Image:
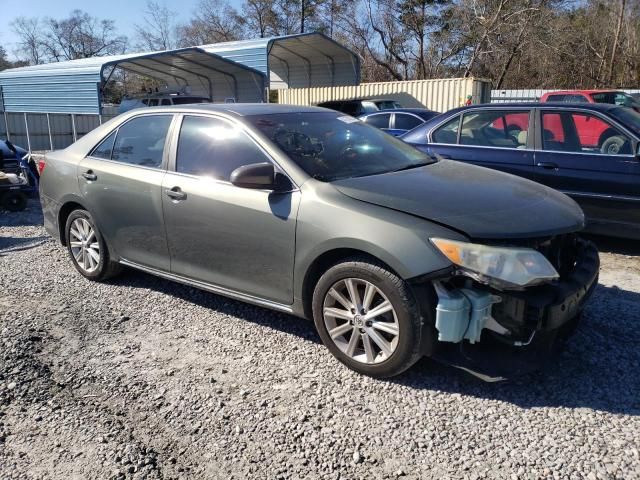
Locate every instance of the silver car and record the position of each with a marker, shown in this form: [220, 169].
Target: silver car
[393, 254]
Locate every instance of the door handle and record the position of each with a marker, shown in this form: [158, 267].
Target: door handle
[176, 193]
[89, 175]
[547, 165]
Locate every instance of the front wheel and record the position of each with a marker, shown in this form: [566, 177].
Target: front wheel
[87, 248]
[368, 318]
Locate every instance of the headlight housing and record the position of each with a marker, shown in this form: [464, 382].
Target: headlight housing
[519, 267]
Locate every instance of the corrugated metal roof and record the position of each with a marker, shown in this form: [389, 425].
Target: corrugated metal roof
[294, 61]
[73, 86]
[220, 71]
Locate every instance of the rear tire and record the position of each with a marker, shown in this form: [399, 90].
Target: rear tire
[14, 201]
[87, 248]
[378, 334]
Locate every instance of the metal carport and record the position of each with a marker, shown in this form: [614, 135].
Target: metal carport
[295, 61]
[75, 86]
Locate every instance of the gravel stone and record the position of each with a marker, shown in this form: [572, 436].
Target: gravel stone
[122, 372]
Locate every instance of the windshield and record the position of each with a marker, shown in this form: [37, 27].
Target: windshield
[330, 146]
[615, 98]
[187, 100]
[629, 117]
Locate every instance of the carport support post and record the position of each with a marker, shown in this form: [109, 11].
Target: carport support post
[73, 126]
[49, 130]
[26, 124]
[6, 125]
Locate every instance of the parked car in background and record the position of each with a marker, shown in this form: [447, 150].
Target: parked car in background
[398, 121]
[393, 255]
[554, 144]
[159, 99]
[613, 97]
[361, 106]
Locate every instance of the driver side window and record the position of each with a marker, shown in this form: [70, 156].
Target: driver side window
[213, 147]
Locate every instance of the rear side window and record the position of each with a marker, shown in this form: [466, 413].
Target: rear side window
[495, 128]
[407, 122]
[103, 150]
[447, 133]
[379, 121]
[166, 101]
[141, 141]
[213, 147]
[555, 98]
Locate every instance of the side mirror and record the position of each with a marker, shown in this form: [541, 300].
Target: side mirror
[260, 176]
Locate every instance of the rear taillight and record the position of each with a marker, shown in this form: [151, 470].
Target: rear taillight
[41, 164]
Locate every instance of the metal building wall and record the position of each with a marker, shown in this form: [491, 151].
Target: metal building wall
[47, 131]
[37, 91]
[439, 95]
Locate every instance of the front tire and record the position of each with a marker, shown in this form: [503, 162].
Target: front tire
[368, 318]
[87, 248]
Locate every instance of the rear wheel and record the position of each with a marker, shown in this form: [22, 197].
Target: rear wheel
[87, 248]
[367, 317]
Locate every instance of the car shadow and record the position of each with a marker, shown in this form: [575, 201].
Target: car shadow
[17, 244]
[29, 217]
[261, 316]
[622, 246]
[598, 369]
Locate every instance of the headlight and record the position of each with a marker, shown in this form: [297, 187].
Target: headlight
[521, 267]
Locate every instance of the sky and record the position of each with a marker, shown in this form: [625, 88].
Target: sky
[125, 13]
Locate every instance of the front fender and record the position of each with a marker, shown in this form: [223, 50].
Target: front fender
[329, 221]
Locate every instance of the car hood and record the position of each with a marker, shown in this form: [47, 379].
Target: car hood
[479, 202]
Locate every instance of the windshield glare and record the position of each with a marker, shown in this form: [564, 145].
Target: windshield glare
[615, 98]
[628, 117]
[330, 146]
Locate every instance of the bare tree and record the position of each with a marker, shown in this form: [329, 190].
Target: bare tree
[215, 21]
[158, 30]
[260, 17]
[31, 43]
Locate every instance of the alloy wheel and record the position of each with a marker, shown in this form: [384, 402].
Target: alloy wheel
[361, 320]
[84, 244]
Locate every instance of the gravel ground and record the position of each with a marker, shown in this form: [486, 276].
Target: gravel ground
[143, 378]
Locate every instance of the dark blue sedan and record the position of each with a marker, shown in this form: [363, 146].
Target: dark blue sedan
[591, 152]
[398, 121]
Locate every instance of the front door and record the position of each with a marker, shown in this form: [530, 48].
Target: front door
[593, 161]
[121, 182]
[236, 238]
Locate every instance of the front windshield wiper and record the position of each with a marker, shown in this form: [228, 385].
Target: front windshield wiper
[416, 165]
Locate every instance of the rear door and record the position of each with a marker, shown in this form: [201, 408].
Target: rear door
[379, 120]
[121, 181]
[587, 156]
[403, 122]
[493, 138]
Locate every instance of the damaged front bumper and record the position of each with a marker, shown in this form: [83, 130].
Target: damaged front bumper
[500, 334]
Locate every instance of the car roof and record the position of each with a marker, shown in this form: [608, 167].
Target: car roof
[586, 92]
[401, 110]
[601, 107]
[239, 109]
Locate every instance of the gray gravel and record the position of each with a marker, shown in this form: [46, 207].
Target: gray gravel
[143, 378]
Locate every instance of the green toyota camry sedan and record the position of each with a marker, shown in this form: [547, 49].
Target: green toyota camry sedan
[393, 254]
